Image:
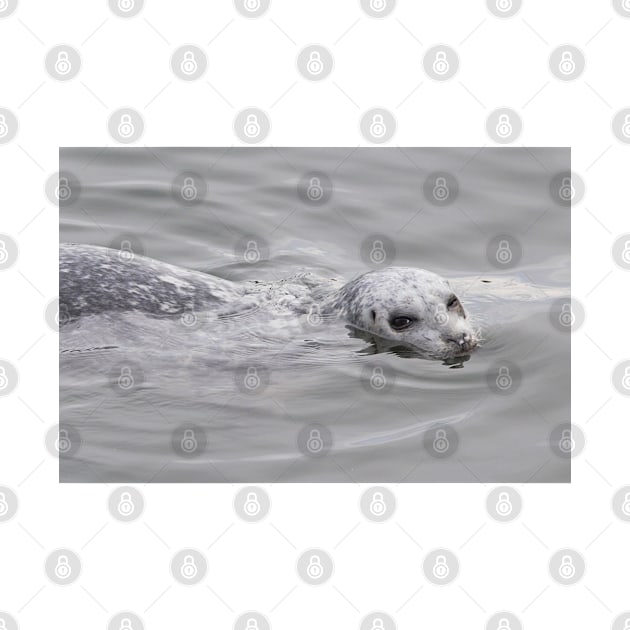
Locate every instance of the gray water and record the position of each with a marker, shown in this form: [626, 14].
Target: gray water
[317, 375]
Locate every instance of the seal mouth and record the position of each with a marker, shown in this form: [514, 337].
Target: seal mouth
[463, 345]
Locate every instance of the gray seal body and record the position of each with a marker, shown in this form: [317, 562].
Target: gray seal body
[95, 280]
[406, 306]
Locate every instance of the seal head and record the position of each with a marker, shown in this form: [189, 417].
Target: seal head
[411, 307]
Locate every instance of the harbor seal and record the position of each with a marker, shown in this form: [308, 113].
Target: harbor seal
[405, 306]
[413, 307]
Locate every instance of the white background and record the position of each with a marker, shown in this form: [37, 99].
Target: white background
[252, 63]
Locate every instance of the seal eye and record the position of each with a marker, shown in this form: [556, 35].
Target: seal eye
[402, 322]
[453, 302]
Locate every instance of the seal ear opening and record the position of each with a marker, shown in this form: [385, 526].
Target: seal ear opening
[373, 315]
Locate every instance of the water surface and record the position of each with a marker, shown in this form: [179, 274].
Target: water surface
[317, 375]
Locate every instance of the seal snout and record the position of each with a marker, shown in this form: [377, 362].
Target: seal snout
[464, 343]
